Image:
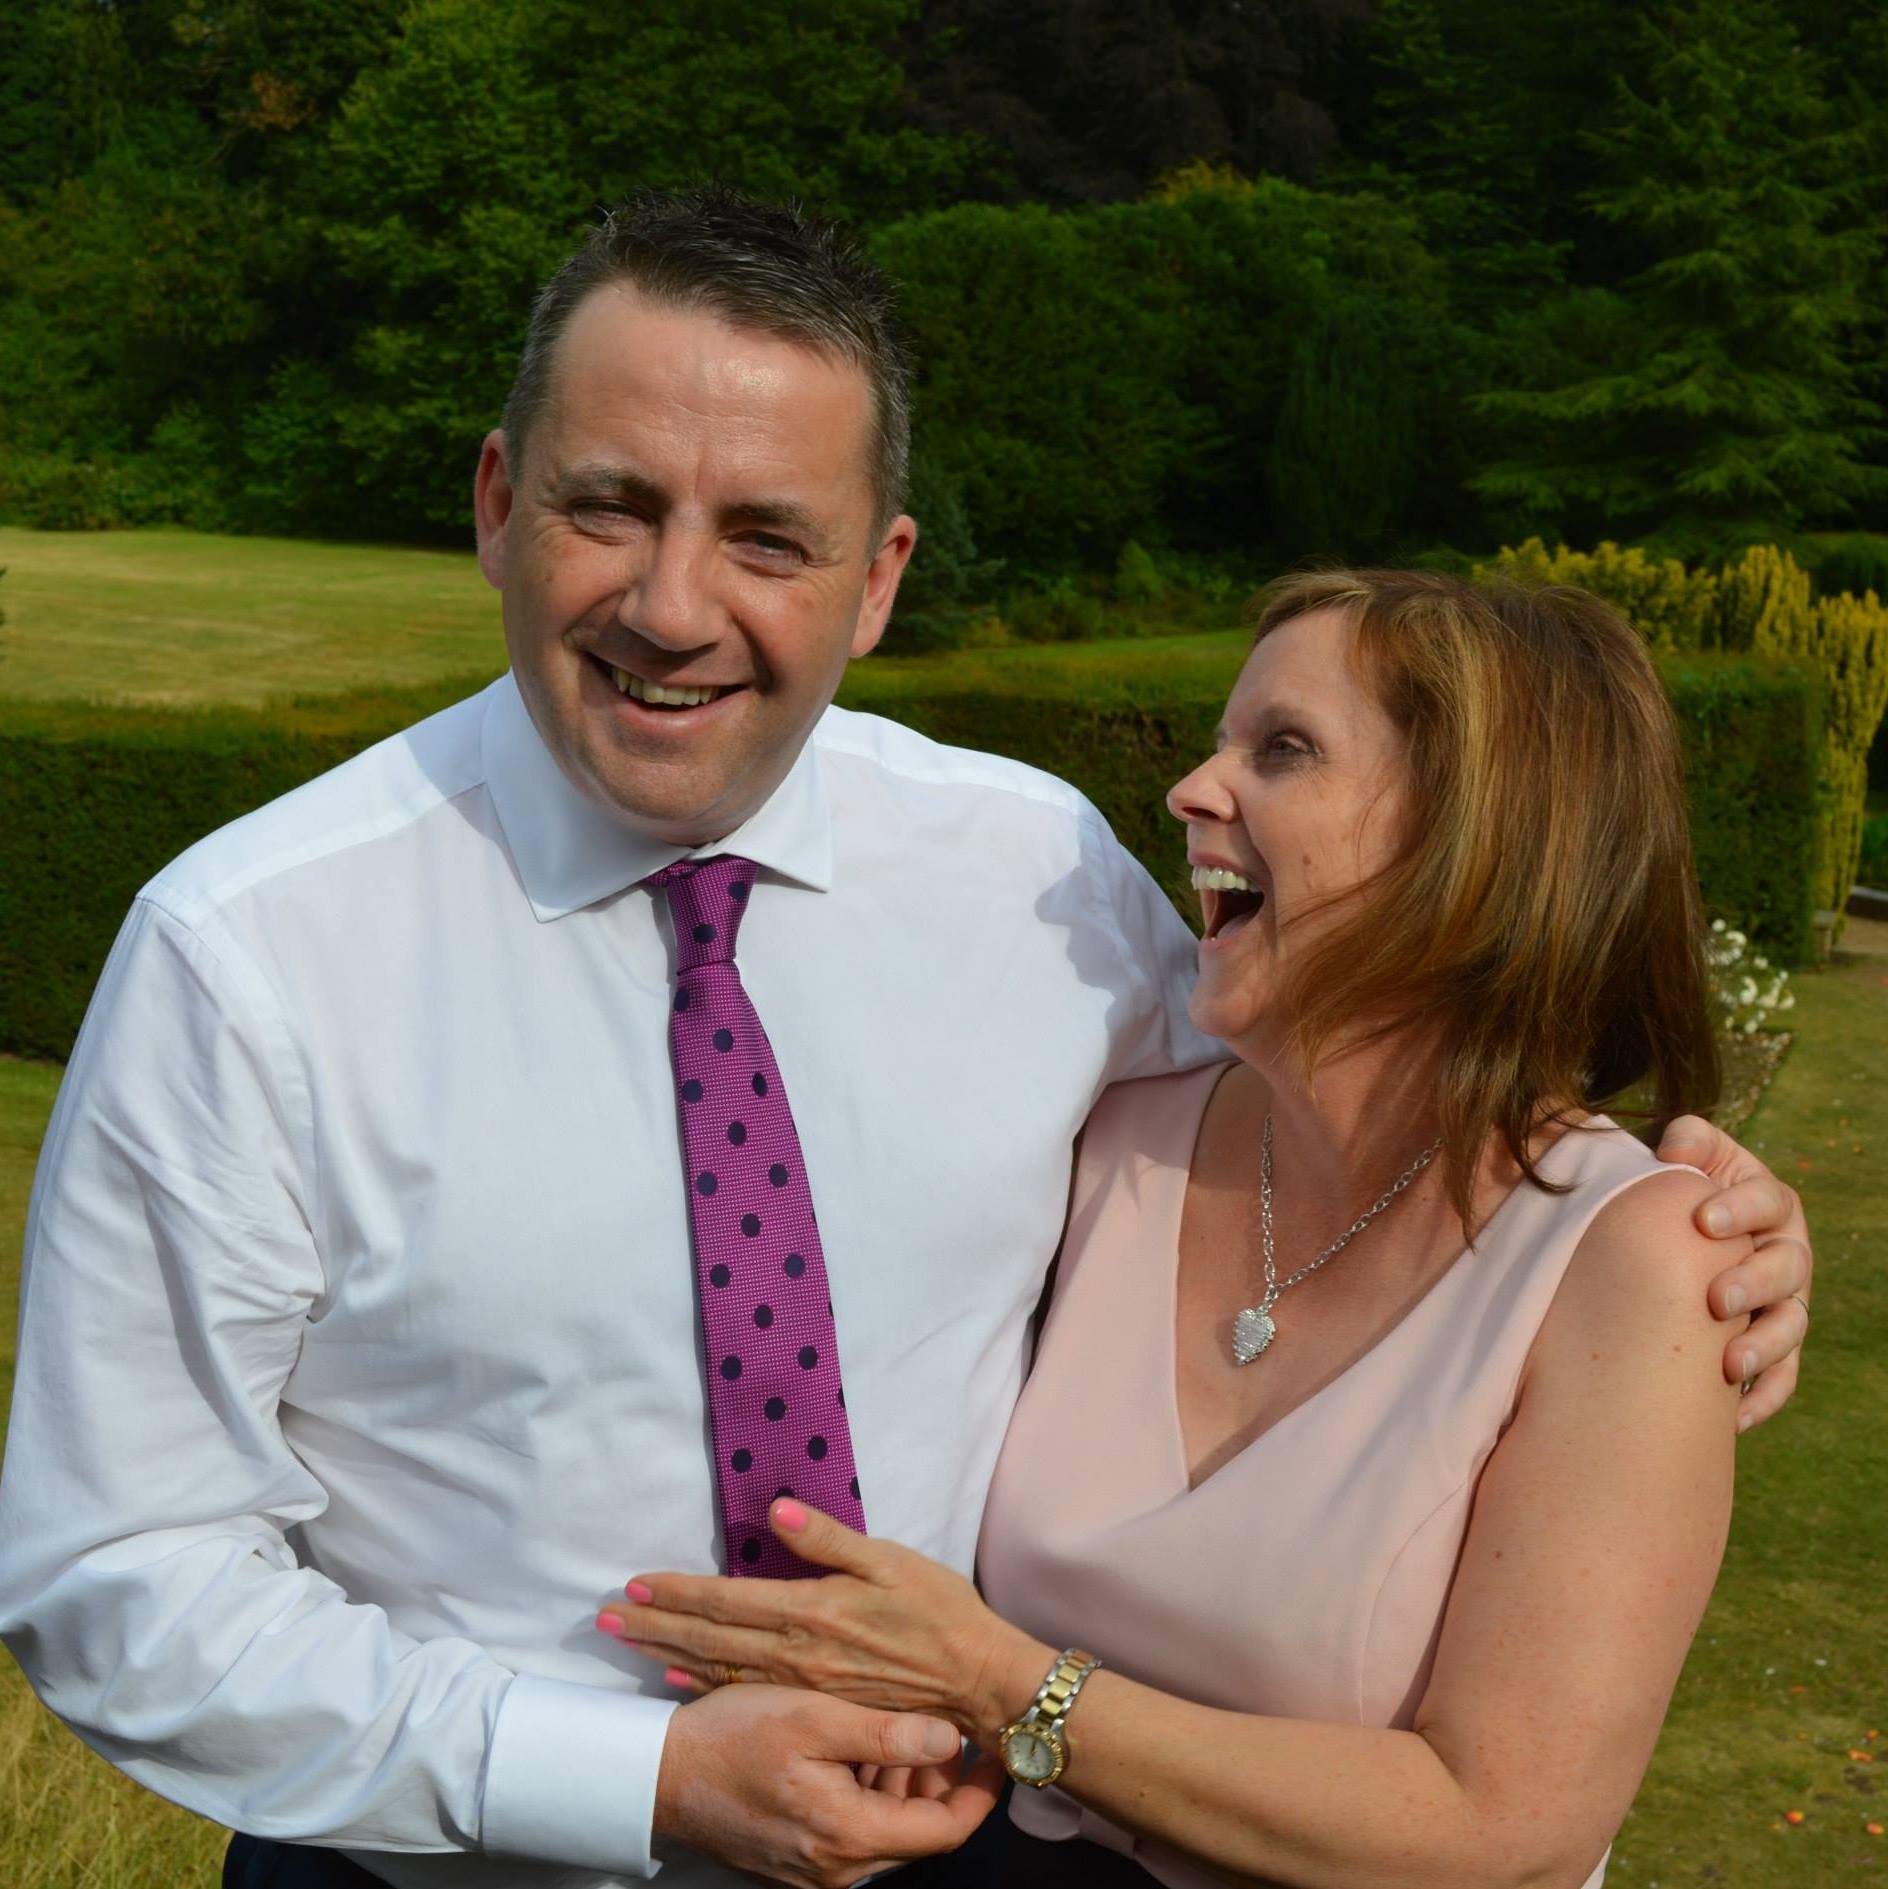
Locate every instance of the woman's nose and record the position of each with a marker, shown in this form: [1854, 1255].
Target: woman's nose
[1200, 799]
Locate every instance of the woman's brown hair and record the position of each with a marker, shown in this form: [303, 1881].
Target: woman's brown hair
[1542, 911]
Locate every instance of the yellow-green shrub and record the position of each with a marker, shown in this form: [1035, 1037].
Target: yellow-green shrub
[1763, 604]
[1673, 608]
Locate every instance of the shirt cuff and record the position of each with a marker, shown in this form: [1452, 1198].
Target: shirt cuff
[571, 1775]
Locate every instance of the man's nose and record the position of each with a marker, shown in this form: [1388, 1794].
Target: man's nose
[668, 601]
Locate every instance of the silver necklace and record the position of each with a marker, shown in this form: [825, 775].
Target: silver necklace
[1254, 1328]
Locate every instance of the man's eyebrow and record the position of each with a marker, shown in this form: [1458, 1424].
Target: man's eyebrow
[777, 514]
[597, 480]
[766, 514]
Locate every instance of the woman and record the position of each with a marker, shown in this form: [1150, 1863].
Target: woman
[1377, 1439]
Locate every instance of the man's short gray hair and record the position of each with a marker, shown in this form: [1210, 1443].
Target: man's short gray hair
[773, 267]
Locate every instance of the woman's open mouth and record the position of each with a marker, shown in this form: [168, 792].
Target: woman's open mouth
[1228, 900]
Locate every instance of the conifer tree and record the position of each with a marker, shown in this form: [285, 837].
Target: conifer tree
[1711, 397]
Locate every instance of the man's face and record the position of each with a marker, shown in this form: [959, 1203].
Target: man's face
[692, 517]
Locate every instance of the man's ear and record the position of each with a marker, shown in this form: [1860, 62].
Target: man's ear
[881, 583]
[491, 506]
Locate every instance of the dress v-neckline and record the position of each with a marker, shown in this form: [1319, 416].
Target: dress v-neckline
[1424, 1307]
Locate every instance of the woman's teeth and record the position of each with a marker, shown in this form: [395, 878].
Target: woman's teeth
[1218, 879]
[657, 695]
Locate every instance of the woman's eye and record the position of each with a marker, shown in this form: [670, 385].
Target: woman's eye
[1285, 747]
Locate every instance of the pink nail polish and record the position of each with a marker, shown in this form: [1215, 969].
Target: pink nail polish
[639, 1593]
[676, 1677]
[790, 1515]
[612, 1625]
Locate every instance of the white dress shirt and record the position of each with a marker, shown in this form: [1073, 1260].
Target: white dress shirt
[359, 1358]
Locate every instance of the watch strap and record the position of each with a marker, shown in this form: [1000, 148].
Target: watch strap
[1057, 1693]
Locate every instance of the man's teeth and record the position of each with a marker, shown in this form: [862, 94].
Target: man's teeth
[654, 692]
[1218, 879]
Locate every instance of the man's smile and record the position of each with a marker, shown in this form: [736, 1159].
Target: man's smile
[668, 701]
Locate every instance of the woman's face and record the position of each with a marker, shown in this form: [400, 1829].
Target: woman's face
[1304, 799]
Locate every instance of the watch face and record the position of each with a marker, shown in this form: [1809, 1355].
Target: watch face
[1030, 1757]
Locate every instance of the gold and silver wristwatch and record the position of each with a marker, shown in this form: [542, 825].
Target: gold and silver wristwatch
[1035, 1747]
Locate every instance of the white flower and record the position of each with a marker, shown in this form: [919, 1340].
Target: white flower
[1717, 924]
[1750, 1027]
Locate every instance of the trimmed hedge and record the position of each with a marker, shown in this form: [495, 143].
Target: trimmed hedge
[94, 800]
[1762, 603]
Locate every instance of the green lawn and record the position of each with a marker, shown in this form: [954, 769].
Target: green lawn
[1790, 1673]
[171, 617]
[181, 616]
[1789, 1676]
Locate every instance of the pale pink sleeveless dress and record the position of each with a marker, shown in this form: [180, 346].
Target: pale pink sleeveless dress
[1307, 1577]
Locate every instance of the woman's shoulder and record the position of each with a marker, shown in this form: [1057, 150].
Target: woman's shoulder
[1641, 1264]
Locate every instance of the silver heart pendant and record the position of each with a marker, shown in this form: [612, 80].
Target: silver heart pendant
[1252, 1331]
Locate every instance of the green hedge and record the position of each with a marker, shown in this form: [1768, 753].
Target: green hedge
[94, 800]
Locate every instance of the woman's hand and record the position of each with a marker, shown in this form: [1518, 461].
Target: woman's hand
[887, 1628]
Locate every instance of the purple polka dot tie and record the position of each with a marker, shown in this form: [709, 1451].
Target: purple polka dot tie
[775, 1399]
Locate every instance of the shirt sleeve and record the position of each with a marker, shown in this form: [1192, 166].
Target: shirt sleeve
[1150, 1033]
[147, 1584]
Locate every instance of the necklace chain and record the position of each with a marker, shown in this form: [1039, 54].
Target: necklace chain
[1255, 1327]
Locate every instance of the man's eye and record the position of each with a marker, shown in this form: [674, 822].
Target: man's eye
[772, 546]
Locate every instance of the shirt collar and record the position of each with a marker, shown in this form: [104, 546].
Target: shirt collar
[570, 852]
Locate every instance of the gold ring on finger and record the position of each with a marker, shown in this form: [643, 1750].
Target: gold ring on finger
[1804, 1303]
[731, 1676]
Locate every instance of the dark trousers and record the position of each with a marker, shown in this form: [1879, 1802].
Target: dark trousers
[256, 1863]
[998, 1856]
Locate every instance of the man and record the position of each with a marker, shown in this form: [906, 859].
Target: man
[377, 1312]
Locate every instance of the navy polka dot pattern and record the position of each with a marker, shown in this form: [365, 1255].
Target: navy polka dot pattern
[776, 1402]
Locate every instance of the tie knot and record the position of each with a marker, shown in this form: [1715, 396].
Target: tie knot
[706, 900]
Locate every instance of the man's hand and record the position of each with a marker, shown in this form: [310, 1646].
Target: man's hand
[761, 1777]
[1772, 1284]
